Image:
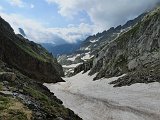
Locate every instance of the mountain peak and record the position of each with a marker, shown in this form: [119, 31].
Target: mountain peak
[21, 31]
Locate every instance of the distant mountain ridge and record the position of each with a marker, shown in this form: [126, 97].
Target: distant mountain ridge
[93, 44]
[61, 49]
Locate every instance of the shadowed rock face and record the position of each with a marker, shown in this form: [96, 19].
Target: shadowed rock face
[26, 56]
[83, 67]
[134, 50]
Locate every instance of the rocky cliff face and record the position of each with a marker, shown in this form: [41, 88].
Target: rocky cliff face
[26, 56]
[134, 50]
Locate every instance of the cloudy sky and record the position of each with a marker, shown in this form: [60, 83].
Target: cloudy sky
[58, 21]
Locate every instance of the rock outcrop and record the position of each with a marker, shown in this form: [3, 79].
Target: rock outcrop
[21, 31]
[85, 66]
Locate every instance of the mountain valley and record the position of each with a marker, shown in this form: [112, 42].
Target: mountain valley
[118, 79]
[111, 75]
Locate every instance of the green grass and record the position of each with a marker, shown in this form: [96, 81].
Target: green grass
[36, 52]
[28, 50]
[37, 95]
[16, 115]
[12, 109]
[4, 103]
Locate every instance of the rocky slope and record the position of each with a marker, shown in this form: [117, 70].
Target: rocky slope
[28, 57]
[24, 65]
[136, 49]
[22, 98]
[94, 44]
[134, 52]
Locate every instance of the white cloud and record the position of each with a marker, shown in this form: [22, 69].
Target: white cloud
[31, 6]
[18, 3]
[73, 33]
[104, 13]
[39, 33]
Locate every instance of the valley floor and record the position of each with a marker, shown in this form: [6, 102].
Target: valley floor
[97, 100]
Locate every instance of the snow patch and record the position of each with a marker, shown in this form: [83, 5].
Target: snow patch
[97, 100]
[95, 40]
[73, 58]
[87, 48]
[71, 66]
[87, 56]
